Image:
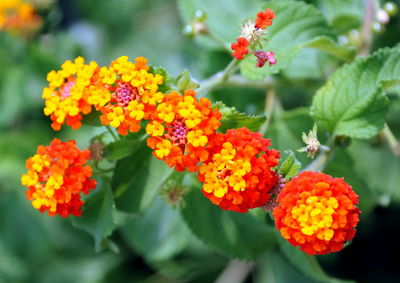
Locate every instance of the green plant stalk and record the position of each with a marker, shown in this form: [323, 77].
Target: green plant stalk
[391, 139]
[112, 133]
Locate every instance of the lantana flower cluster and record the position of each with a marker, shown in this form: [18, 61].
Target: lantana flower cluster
[18, 17]
[56, 177]
[252, 33]
[237, 169]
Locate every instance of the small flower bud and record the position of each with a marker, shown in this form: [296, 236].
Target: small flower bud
[200, 16]
[96, 151]
[382, 16]
[313, 145]
[391, 8]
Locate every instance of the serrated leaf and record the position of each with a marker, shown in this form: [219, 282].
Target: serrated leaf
[306, 264]
[137, 178]
[295, 26]
[158, 234]
[234, 234]
[233, 119]
[185, 81]
[290, 167]
[352, 102]
[98, 213]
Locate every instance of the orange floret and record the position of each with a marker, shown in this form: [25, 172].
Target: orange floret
[67, 95]
[240, 48]
[18, 17]
[317, 213]
[238, 174]
[180, 128]
[264, 18]
[56, 178]
[134, 93]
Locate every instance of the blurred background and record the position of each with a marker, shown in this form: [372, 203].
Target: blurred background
[38, 248]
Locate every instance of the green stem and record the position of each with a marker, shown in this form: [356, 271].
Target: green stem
[218, 78]
[112, 133]
[218, 42]
[391, 139]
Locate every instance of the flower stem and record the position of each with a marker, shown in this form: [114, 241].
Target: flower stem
[235, 272]
[112, 133]
[218, 78]
[391, 139]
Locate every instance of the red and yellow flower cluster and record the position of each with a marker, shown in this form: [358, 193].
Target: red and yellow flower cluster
[238, 173]
[18, 17]
[56, 178]
[251, 35]
[317, 213]
[180, 129]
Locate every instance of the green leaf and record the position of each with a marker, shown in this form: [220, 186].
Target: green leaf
[98, 213]
[158, 234]
[343, 15]
[380, 169]
[186, 81]
[233, 119]
[124, 147]
[290, 167]
[137, 178]
[352, 102]
[234, 234]
[296, 25]
[306, 264]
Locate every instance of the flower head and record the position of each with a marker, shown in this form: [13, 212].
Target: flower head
[263, 57]
[240, 48]
[18, 17]
[264, 18]
[312, 142]
[180, 128]
[317, 213]
[56, 178]
[134, 93]
[67, 95]
[237, 174]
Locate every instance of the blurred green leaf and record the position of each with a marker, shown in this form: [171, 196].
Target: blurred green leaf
[305, 263]
[290, 167]
[233, 119]
[124, 147]
[137, 179]
[380, 169]
[98, 213]
[352, 103]
[234, 234]
[158, 234]
[343, 15]
[92, 119]
[296, 25]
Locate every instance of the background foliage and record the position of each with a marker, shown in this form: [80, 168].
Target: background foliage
[129, 232]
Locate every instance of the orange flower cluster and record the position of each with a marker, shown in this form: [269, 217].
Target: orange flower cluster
[237, 174]
[317, 213]
[251, 35]
[180, 129]
[56, 178]
[134, 93]
[123, 92]
[67, 95]
[18, 17]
